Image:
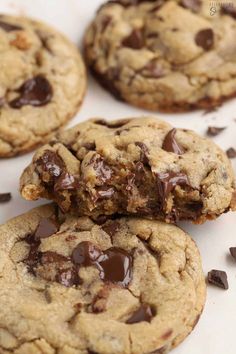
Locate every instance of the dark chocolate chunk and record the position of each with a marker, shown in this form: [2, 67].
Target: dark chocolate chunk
[85, 254]
[102, 170]
[135, 40]
[115, 266]
[218, 278]
[233, 252]
[205, 39]
[229, 9]
[68, 277]
[66, 181]
[213, 131]
[193, 5]
[111, 227]
[144, 313]
[144, 152]
[51, 163]
[46, 227]
[35, 92]
[167, 181]
[8, 27]
[231, 153]
[153, 70]
[5, 197]
[170, 144]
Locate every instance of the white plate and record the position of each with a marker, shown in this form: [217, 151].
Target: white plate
[215, 333]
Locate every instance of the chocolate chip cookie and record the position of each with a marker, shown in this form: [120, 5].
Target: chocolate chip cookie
[42, 83]
[139, 166]
[71, 286]
[167, 55]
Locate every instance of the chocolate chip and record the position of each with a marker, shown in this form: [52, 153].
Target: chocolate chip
[229, 9]
[35, 92]
[193, 5]
[167, 181]
[8, 27]
[68, 277]
[66, 181]
[231, 153]
[218, 278]
[170, 144]
[46, 228]
[102, 170]
[51, 163]
[205, 39]
[214, 131]
[5, 197]
[111, 227]
[144, 313]
[115, 266]
[135, 40]
[90, 146]
[144, 152]
[85, 254]
[233, 252]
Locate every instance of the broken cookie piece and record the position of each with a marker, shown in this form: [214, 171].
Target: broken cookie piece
[140, 166]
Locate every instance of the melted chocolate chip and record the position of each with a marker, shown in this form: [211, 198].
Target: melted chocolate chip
[68, 277]
[144, 313]
[8, 27]
[46, 228]
[213, 131]
[85, 254]
[193, 5]
[170, 144]
[231, 153]
[111, 228]
[233, 252]
[51, 163]
[114, 264]
[66, 181]
[229, 9]
[144, 152]
[153, 70]
[218, 278]
[35, 92]
[166, 182]
[5, 197]
[205, 39]
[102, 170]
[135, 40]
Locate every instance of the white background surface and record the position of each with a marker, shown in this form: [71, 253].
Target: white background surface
[215, 333]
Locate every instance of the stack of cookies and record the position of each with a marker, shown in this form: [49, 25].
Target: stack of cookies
[104, 269]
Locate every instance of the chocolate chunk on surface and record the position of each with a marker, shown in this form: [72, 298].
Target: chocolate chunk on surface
[147, 170]
[46, 228]
[231, 153]
[5, 197]
[233, 252]
[218, 278]
[134, 40]
[193, 5]
[205, 39]
[171, 145]
[229, 9]
[214, 131]
[35, 92]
